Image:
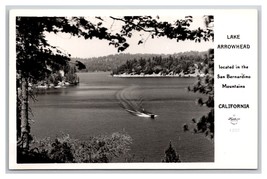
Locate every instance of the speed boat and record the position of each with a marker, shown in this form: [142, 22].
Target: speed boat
[142, 114]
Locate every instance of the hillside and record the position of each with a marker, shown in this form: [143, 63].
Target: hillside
[112, 62]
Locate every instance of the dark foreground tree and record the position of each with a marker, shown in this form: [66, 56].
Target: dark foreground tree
[171, 155]
[205, 85]
[36, 59]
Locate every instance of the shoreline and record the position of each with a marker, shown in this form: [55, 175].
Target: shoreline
[157, 75]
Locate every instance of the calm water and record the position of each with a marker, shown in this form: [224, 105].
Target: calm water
[95, 107]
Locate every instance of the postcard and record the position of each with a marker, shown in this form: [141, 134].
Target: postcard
[133, 88]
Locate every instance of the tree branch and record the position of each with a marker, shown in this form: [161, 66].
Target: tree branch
[136, 25]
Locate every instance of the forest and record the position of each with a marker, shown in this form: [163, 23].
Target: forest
[180, 64]
[176, 63]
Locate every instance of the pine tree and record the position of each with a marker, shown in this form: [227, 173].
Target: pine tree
[170, 155]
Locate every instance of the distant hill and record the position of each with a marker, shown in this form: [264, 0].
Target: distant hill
[112, 62]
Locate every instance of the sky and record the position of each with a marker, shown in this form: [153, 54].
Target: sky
[79, 47]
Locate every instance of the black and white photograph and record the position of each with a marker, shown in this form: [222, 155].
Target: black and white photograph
[115, 89]
[133, 89]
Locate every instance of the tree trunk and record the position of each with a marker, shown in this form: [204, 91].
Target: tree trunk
[25, 128]
[18, 90]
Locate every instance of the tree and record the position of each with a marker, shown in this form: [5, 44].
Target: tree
[205, 85]
[80, 65]
[170, 155]
[178, 30]
[64, 149]
[36, 59]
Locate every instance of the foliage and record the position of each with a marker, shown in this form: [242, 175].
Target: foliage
[171, 155]
[34, 54]
[205, 85]
[70, 76]
[79, 65]
[99, 149]
[178, 30]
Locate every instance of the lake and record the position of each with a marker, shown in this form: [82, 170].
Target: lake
[95, 107]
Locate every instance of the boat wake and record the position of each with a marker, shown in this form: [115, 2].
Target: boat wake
[132, 103]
